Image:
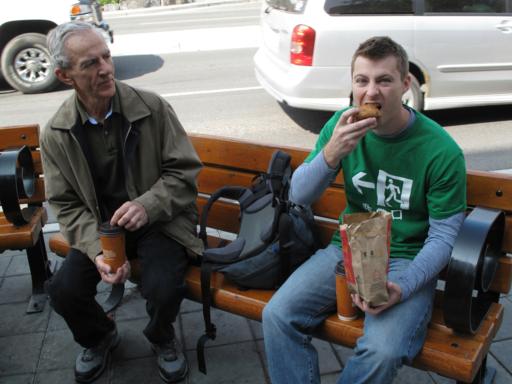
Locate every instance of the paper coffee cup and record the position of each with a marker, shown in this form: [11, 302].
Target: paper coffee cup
[345, 307]
[113, 245]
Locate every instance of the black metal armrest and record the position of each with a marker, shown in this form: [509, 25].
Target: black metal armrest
[16, 181]
[471, 270]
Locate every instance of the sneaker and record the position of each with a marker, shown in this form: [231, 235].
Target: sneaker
[91, 362]
[172, 363]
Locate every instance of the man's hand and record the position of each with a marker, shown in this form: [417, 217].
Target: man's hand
[104, 269]
[395, 293]
[131, 215]
[346, 135]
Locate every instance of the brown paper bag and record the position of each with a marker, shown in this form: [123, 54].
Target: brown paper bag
[366, 241]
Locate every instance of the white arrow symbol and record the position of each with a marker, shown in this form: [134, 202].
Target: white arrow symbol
[356, 180]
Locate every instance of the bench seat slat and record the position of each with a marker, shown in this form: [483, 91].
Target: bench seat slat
[25, 236]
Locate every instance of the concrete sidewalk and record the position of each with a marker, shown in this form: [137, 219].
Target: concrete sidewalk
[113, 14]
[38, 348]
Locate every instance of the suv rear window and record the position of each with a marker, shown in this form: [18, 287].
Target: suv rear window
[293, 6]
[368, 7]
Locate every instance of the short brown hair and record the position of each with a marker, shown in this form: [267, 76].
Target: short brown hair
[380, 47]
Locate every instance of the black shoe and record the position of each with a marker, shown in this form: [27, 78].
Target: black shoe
[171, 361]
[91, 362]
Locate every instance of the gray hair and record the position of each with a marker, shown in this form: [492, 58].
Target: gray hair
[57, 37]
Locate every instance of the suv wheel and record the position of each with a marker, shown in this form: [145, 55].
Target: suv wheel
[414, 96]
[26, 64]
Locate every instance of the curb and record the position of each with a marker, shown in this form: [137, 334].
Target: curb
[170, 8]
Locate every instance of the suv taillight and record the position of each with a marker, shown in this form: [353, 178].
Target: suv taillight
[303, 45]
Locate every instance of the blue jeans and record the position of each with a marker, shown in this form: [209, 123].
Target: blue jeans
[390, 339]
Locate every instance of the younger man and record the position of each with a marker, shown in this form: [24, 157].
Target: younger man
[401, 162]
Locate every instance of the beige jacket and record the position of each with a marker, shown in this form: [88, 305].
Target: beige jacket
[161, 167]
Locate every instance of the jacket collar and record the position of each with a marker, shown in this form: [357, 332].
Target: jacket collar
[133, 108]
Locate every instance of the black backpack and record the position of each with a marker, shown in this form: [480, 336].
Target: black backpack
[275, 237]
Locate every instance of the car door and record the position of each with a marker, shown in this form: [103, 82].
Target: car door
[465, 47]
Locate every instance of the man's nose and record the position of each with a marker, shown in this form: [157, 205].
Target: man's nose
[372, 89]
[105, 67]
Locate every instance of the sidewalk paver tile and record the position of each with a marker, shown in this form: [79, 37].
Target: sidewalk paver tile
[16, 321]
[16, 289]
[57, 322]
[133, 343]
[327, 358]
[502, 375]
[234, 363]
[20, 353]
[64, 376]
[19, 266]
[501, 351]
[408, 375]
[132, 307]
[5, 259]
[190, 306]
[505, 331]
[136, 371]
[230, 328]
[59, 351]
[17, 379]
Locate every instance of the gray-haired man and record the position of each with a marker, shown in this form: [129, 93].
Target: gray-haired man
[116, 153]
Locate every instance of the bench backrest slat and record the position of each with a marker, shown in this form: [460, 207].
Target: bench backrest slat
[16, 136]
[492, 190]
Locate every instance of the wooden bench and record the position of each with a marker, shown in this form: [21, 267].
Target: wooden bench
[447, 352]
[29, 236]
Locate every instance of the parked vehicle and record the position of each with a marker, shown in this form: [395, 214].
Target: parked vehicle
[460, 52]
[24, 58]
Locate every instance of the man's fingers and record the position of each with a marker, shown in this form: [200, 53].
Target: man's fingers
[119, 213]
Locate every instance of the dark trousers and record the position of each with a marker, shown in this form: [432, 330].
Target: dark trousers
[163, 264]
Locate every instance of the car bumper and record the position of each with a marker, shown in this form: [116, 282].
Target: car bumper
[301, 86]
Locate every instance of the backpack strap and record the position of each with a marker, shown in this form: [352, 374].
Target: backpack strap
[279, 174]
[210, 331]
[230, 192]
[285, 244]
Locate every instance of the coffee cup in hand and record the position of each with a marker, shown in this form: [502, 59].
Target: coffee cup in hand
[112, 240]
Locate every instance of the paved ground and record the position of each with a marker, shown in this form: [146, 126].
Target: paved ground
[38, 348]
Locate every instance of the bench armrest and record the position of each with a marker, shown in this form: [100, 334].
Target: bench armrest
[16, 181]
[471, 268]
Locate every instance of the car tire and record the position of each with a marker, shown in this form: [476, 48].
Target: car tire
[414, 96]
[27, 65]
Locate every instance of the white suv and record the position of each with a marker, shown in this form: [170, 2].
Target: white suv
[460, 52]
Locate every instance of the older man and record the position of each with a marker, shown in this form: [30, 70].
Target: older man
[119, 154]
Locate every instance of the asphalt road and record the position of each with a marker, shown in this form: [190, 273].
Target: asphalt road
[200, 60]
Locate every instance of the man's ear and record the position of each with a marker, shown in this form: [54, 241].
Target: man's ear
[63, 76]
[407, 82]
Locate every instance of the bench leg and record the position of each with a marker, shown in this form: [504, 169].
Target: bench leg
[40, 272]
[485, 374]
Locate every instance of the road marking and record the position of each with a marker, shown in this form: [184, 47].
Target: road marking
[210, 19]
[209, 92]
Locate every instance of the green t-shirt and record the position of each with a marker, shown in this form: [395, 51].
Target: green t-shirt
[416, 175]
